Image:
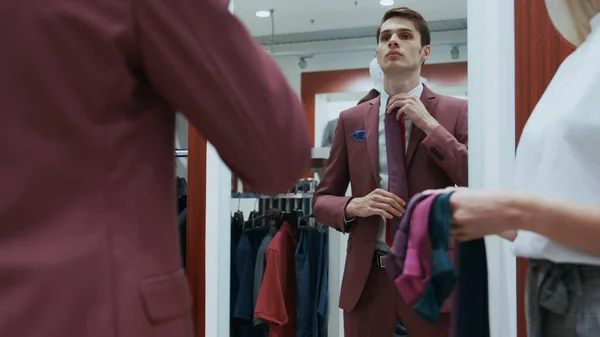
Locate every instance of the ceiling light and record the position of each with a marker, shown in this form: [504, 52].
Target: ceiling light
[265, 14]
[386, 2]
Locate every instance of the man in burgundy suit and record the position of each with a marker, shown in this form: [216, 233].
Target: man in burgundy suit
[435, 156]
[89, 91]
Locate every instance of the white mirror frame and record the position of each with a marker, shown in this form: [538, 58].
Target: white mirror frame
[491, 83]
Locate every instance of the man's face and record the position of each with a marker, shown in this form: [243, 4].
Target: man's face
[399, 48]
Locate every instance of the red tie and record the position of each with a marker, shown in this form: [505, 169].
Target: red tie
[396, 163]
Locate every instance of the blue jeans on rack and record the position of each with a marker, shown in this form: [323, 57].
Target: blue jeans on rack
[321, 296]
[308, 256]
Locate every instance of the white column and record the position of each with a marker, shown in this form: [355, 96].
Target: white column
[492, 139]
[218, 242]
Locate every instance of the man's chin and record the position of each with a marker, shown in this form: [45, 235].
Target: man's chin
[397, 66]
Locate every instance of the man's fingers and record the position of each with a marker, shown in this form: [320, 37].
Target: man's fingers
[391, 195]
[384, 214]
[393, 203]
[396, 105]
[384, 200]
[373, 210]
[396, 199]
[389, 208]
[401, 112]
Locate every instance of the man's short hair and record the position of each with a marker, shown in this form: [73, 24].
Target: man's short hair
[415, 17]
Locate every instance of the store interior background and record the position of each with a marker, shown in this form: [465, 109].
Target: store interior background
[339, 46]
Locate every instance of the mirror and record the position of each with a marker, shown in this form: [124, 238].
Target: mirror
[326, 51]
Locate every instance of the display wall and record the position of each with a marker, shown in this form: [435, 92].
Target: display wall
[324, 60]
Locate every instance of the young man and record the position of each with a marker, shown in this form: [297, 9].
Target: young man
[435, 156]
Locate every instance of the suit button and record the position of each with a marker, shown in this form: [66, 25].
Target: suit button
[437, 153]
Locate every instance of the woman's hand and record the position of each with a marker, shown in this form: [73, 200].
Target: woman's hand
[477, 213]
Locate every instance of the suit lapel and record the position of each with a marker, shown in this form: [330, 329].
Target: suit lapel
[372, 130]
[417, 135]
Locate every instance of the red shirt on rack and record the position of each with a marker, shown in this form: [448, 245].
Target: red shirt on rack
[276, 301]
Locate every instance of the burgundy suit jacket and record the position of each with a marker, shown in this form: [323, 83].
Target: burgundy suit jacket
[434, 161]
[89, 91]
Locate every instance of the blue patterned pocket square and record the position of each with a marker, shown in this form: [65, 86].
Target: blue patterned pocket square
[359, 135]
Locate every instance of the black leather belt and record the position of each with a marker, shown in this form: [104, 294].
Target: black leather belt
[378, 258]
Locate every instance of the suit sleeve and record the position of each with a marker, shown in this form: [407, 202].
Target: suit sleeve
[202, 60]
[451, 152]
[330, 200]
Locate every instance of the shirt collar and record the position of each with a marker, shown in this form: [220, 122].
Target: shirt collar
[416, 91]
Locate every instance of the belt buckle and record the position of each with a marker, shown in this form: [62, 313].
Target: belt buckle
[380, 259]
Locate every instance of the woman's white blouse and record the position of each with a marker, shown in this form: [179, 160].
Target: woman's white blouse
[559, 152]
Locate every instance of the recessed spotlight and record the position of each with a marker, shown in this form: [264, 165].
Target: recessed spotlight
[265, 14]
[386, 2]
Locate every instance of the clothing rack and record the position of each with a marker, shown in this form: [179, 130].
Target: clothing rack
[286, 203]
[272, 221]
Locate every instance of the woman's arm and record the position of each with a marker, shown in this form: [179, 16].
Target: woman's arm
[574, 225]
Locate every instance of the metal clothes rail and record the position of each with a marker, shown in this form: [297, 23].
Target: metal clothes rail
[179, 153]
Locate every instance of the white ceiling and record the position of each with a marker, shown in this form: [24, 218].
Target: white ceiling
[294, 16]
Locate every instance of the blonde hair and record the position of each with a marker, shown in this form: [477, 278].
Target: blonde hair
[572, 18]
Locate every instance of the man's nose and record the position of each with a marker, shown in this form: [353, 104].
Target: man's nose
[394, 41]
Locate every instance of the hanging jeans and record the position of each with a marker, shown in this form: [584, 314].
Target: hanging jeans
[309, 254]
[321, 297]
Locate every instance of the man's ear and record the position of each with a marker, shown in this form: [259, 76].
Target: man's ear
[425, 51]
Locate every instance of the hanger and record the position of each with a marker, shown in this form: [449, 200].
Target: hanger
[311, 223]
[253, 214]
[239, 215]
[272, 214]
[302, 223]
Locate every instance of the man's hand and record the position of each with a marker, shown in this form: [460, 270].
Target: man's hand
[378, 202]
[412, 107]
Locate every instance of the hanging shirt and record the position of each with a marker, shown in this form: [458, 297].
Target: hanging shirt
[276, 301]
[558, 154]
[259, 269]
[246, 259]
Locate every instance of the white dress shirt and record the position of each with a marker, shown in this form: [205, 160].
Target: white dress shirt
[559, 152]
[383, 165]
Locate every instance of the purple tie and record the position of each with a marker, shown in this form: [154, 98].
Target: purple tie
[397, 181]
